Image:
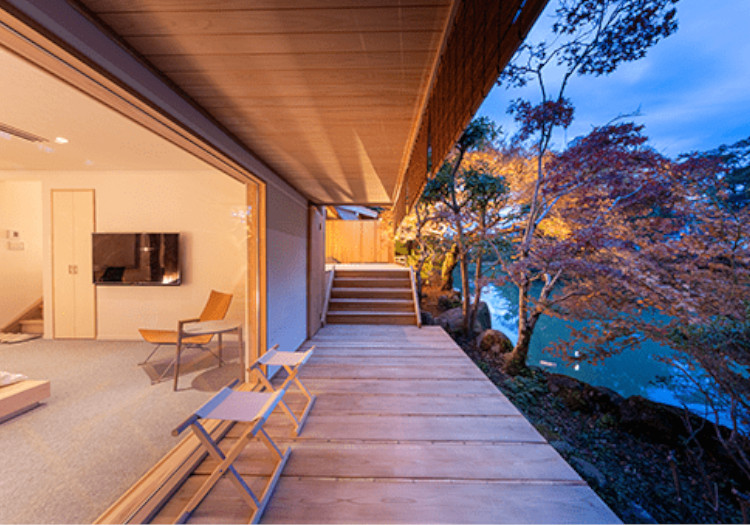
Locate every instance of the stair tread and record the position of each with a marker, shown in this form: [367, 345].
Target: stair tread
[369, 300]
[371, 278]
[369, 312]
[361, 289]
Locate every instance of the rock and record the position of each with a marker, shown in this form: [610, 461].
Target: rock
[494, 342]
[583, 397]
[635, 513]
[427, 319]
[449, 300]
[655, 421]
[451, 320]
[563, 447]
[484, 319]
[569, 390]
[589, 471]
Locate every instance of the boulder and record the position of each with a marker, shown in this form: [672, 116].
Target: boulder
[589, 471]
[451, 320]
[484, 318]
[583, 397]
[494, 342]
[449, 301]
[427, 318]
[562, 446]
[655, 421]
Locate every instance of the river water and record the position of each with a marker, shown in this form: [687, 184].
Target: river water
[633, 372]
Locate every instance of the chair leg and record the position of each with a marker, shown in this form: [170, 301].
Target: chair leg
[224, 466]
[150, 355]
[178, 349]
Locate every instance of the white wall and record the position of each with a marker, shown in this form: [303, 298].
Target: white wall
[20, 270]
[198, 205]
[286, 249]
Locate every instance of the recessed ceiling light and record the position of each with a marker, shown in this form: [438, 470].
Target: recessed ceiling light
[61, 140]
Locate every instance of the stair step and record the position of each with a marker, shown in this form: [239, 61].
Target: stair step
[32, 326]
[371, 293]
[397, 273]
[370, 304]
[371, 282]
[401, 318]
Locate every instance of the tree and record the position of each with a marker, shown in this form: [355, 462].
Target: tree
[590, 37]
[459, 190]
[424, 243]
[679, 274]
[585, 241]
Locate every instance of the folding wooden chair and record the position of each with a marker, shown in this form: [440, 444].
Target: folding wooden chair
[232, 405]
[291, 362]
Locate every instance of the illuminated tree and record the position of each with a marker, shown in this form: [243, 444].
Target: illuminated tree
[589, 37]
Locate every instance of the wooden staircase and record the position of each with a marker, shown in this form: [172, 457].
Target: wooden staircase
[31, 321]
[377, 296]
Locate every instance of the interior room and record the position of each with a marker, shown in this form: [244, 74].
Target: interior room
[57, 142]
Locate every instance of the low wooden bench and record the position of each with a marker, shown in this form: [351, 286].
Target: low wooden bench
[22, 396]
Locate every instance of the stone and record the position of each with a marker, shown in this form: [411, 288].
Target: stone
[484, 318]
[494, 342]
[583, 397]
[449, 301]
[655, 421]
[563, 447]
[635, 513]
[451, 320]
[427, 318]
[589, 471]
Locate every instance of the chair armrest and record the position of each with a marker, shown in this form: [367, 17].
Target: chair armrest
[183, 322]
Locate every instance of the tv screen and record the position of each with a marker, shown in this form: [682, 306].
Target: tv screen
[136, 259]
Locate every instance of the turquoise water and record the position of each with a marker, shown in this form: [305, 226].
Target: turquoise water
[633, 372]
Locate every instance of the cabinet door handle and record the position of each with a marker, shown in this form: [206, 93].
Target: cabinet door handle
[73, 269]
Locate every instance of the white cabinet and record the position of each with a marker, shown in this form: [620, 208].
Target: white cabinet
[73, 293]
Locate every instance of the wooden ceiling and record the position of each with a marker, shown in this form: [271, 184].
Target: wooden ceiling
[326, 92]
[331, 94]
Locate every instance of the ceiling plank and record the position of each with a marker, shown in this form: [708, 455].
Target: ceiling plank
[357, 60]
[275, 22]
[300, 44]
[136, 6]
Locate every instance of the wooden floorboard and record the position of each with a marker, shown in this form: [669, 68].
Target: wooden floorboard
[405, 429]
[390, 371]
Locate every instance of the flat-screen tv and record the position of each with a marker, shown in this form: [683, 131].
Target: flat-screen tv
[145, 259]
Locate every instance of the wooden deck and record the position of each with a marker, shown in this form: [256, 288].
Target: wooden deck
[406, 429]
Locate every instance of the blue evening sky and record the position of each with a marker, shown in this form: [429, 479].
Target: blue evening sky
[692, 88]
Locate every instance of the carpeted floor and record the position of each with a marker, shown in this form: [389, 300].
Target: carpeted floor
[103, 427]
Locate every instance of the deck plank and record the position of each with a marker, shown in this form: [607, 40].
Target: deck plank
[389, 371]
[370, 501]
[362, 404]
[405, 429]
[413, 387]
[425, 461]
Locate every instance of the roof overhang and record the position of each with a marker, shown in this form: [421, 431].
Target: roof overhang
[342, 99]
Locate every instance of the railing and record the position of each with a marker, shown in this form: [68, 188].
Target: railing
[415, 297]
[329, 286]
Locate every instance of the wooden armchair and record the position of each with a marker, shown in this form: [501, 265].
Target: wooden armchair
[215, 310]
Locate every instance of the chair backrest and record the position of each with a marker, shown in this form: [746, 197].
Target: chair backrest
[216, 306]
